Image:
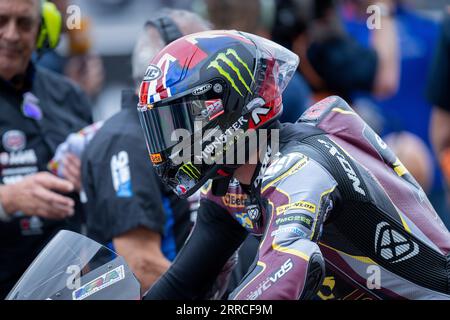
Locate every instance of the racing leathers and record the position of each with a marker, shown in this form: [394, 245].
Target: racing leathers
[340, 217]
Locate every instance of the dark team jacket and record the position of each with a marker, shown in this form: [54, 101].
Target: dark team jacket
[335, 189]
[122, 190]
[27, 145]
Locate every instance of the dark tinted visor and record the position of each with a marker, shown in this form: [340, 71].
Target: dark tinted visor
[161, 122]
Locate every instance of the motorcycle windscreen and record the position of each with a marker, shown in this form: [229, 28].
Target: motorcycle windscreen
[74, 267]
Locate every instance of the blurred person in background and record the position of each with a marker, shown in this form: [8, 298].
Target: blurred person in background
[74, 57]
[406, 109]
[414, 154]
[439, 96]
[253, 15]
[128, 207]
[38, 110]
[260, 17]
[333, 62]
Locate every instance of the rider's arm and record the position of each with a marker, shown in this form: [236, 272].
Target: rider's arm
[290, 264]
[215, 237]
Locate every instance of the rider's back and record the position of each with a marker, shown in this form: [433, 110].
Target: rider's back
[337, 183]
[382, 217]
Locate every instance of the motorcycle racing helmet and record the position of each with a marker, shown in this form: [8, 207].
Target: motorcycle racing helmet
[200, 93]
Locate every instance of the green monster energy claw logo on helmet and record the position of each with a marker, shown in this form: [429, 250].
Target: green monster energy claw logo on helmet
[189, 169]
[225, 58]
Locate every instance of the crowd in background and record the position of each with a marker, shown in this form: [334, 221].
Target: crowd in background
[396, 77]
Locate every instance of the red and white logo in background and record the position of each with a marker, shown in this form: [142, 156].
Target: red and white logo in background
[14, 140]
[30, 226]
[214, 108]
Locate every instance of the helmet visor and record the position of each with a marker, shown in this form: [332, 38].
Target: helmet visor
[161, 123]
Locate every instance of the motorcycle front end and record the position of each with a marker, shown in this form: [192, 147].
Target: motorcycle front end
[74, 267]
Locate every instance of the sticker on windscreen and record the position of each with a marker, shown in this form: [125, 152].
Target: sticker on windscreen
[105, 280]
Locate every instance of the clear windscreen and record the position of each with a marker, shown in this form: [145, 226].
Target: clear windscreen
[74, 267]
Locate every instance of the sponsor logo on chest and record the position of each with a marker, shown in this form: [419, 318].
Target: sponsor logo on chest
[16, 161]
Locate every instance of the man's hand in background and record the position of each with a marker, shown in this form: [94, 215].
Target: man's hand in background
[39, 195]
